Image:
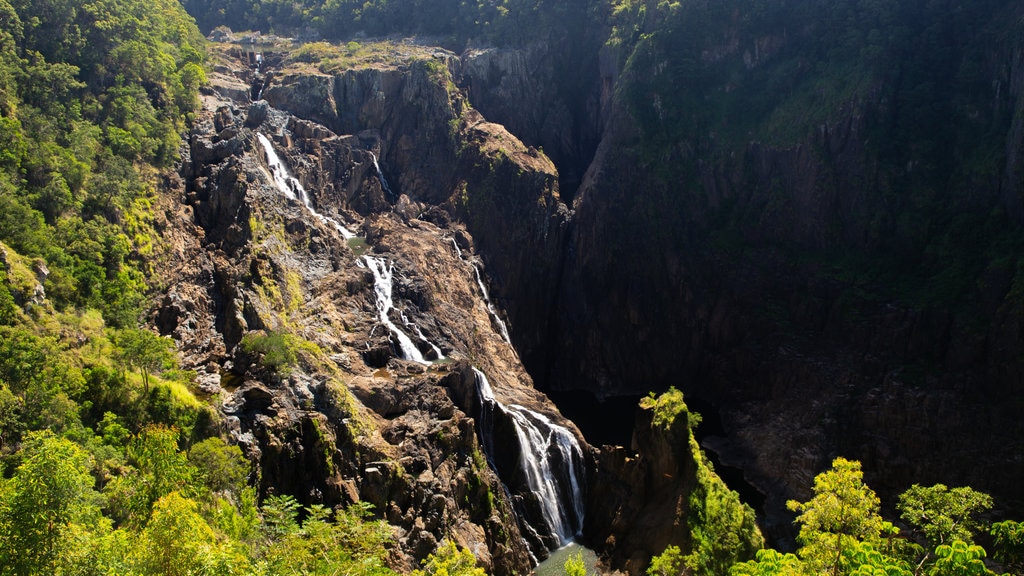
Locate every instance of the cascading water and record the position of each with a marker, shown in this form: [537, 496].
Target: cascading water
[292, 188]
[419, 334]
[502, 328]
[380, 175]
[550, 458]
[458, 251]
[382, 285]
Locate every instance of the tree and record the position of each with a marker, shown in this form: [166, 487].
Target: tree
[1009, 544]
[842, 512]
[49, 493]
[158, 469]
[352, 544]
[450, 560]
[943, 514]
[866, 561]
[177, 541]
[959, 559]
[144, 350]
[769, 562]
[222, 467]
[575, 566]
[668, 563]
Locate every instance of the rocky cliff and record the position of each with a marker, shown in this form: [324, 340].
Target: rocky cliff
[816, 288]
[278, 307]
[826, 289]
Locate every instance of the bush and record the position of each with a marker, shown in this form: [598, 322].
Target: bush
[276, 350]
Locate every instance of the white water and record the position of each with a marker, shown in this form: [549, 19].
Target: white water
[502, 328]
[419, 334]
[458, 251]
[292, 188]
[380, 175]
[548, 456]
[382, 276]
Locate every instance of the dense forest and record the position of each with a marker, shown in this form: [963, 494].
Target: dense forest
[111, 464]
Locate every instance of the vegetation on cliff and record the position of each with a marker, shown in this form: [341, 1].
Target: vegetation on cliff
[721, 529]
[449, 21]
[108, 461]
[842, 531]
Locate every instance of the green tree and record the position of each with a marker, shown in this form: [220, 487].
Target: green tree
[668, 563]
[450, 560]
[865, 560]
[842, 512]
[574, 565]
[768, 562]
[723, 530]
[959, 559]
[50, 492]
[1008, 539]
[221, 467]
[157, 469]
[351, 544]
[177, 541]
[144, 350]
[944, 514]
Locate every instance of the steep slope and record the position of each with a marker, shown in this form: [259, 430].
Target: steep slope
[820, 244]
[344, 365]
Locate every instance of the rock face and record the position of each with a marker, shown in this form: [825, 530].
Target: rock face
[719, 266]
[258, 271]
[728, 269]
[636, 509]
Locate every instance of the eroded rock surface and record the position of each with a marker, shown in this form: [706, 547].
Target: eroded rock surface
[346, 418]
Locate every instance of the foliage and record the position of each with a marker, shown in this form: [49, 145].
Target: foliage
[450, 560]
[144, 350]
[1008, 539]
[222, 467]
[50, 491]
[959, 559]
[575, 566]
[842, 533]
[90, 95]
[351, 544]
[667, 407]
[768, 562]
[276, 350]
[723, 530]
[451, 22]
[669, 563]
[943, 514]
[842, 512]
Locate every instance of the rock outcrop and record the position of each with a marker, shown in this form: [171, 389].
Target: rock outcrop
[278, 311]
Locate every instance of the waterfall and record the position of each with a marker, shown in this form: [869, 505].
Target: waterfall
[502, 329]
[382, 276]
[458, 251]
[380, 175]
[419, 334]
[293, 189]
[549, 457]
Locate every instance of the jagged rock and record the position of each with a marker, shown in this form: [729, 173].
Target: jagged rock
[258, 113]
[221, 34]
[351, 421]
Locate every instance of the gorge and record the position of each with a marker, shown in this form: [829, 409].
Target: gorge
[430, 279]
[589, 311]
